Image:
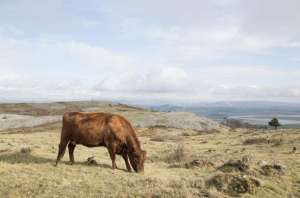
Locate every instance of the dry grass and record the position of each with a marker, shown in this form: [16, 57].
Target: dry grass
[32, 174]
[178, 165]
[175, 156]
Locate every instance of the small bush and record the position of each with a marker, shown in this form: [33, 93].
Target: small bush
[256, 141]
[186, 134]
[157, 139]
[274, 123]
[177, 155]
[25, 150]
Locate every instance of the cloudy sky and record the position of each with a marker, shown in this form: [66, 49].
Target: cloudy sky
[156, 51]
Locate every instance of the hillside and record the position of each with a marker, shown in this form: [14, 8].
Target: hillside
[34, 114]
[188, 156]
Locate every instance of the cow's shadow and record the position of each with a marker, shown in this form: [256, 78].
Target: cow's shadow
[86, 164]
[95, 165]
[23, 158]
[28, 158]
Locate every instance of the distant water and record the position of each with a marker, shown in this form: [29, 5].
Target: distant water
[264, 119]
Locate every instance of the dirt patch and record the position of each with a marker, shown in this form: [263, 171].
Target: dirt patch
[233, 185]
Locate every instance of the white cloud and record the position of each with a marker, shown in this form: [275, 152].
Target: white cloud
[214, 42]
[149, 50]
[61, 56]
[169, 79]
[170, 84]
[214, 29]
[119, 76]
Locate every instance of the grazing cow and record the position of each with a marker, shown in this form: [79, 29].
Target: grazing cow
[102, 129]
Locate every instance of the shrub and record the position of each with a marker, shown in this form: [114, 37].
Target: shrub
[177, 155]
[157, 139]
[234, 185]
[25, 150]
[256, 141]
[274, 123]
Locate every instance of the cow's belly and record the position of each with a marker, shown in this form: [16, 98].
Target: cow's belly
[91, 145]
[89, 138]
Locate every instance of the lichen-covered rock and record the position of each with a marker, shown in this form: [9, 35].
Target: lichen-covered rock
[272, 170]
[13, 121]
[180, 120]
[233, 165]
[233, 184]
[91, 161]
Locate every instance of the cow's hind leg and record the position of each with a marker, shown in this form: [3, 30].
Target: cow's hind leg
[125, 157]
[71, 147]
[61, 150]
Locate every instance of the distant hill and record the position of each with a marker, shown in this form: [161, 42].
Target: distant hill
[16, 115]
[220, 110]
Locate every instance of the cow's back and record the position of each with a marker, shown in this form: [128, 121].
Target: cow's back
[80, 119]
[88, 129]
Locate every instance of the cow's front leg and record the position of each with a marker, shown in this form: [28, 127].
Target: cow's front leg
[112, 153]
[125, 157]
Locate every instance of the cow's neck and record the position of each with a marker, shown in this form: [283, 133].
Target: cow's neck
[134, 145]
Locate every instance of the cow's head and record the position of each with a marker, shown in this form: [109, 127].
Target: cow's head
[137, 160]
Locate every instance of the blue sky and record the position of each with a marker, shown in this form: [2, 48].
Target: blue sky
[168, 51]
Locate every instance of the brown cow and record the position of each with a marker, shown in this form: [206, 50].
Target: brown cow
[102, 129]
